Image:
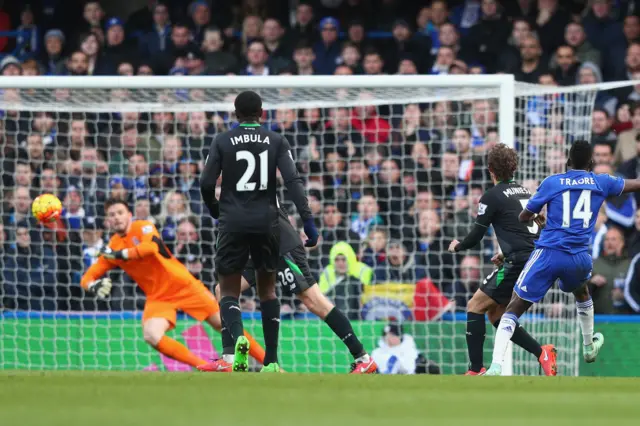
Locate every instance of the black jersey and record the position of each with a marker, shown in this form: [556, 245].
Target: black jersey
[248, 157]
[500, 206]
[289, 236]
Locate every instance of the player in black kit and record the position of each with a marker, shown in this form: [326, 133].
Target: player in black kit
[500, 206]
[295, 274]
[248, 157]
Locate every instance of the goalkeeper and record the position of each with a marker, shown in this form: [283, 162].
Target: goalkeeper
[136, 248]
[294, 273]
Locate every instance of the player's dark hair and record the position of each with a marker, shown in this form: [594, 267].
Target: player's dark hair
[115, 201]
[248, 106]
[580, 156]
[503, 162]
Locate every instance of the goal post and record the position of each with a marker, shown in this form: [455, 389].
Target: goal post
[151, 135]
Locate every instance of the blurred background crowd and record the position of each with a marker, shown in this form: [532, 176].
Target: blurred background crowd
[390, 185]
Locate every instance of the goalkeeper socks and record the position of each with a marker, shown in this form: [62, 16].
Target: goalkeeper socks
[271, 329]
[506, 328]
[476, 331]
[585, 316]
[340, 325]
[232, 316]
[255, 350]
[523, 339]
[176, 350]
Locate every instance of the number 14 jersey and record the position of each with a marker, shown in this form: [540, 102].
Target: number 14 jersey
[500, 206]
[573, 201]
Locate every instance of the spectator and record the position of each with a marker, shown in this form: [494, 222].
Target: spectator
[257, 57]
[372, 63]
[628, 145]
[29, 282]
[367, 120]
[158, 38]
[567, 66]
[622, 120]
[357, 36]
[92, 239]
[589, 73]
[431, 19]
[200, 19]
[343, 279]
[98, 63]
[142, 210]
[397, 352]
[373, 251]
[404, 44]
[575, 36]
[400, 266]
[602, 30]
[273, 37]
[551, 20]
[175, 207]
[303, 29]
[465, 16]
[51, 57]
[609, 270]
[533, 66]
[128, 147]
[10, 66]
[334, 230]
[616, 53]
[469, 279]
[49, 182]
[621, 209]
[367, 217]
[117, 49]
[430, 249]
[28, 39]
[20, 210]
[327, 50]
[78, 64]
[603, 154]
[217, 60]
[93, 15]
[303, 56]
[601, 128]
[509, 58]
[488, 37]
[445, 58]
[631, 66]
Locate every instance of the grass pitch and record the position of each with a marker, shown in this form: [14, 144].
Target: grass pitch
[157, 399]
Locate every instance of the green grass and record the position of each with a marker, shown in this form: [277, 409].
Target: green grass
[157, 399]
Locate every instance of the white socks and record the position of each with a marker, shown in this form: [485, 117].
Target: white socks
[228, 358]
[506, 328]
[585, 316]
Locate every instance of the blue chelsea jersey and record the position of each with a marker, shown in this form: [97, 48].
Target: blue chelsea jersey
[573, 201]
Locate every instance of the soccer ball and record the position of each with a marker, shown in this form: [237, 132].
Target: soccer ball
[46, 208]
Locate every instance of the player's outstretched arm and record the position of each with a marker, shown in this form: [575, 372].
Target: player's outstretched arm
[631, 185]
[295, 186]
[486, 209]
[208, 179]
[471, 240]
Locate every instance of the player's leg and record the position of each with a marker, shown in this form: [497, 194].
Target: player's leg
[534, 281]
[158, 318]
[306, 289]
[575, 281]
[479, 304]
[232, 253]
[265, 254]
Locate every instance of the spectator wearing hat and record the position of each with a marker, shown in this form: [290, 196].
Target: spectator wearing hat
[117, 48]
[217, 60]
[327, 49]
[396, 352]
[200, 14]
[119, 188]
[10, 66]
[403, 44]
[52, 55]
[158, 38]
[92, 240]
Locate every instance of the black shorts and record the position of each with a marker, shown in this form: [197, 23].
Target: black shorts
[499, 284]
[293, 275]
[233, 250]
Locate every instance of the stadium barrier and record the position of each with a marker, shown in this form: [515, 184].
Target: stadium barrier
[113, 341]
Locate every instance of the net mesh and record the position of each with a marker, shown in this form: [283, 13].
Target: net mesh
[393, 176]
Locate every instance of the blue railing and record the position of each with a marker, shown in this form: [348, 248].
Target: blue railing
[13, 34]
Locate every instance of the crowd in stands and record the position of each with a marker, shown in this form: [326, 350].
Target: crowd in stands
[390, 185]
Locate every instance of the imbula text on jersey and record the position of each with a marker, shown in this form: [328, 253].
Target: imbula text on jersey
[257, 138]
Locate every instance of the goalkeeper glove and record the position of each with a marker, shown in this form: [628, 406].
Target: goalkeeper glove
[101, 288]
[109, 253]
[311, 232]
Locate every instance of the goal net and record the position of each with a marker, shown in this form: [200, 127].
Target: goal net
[394, 166]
